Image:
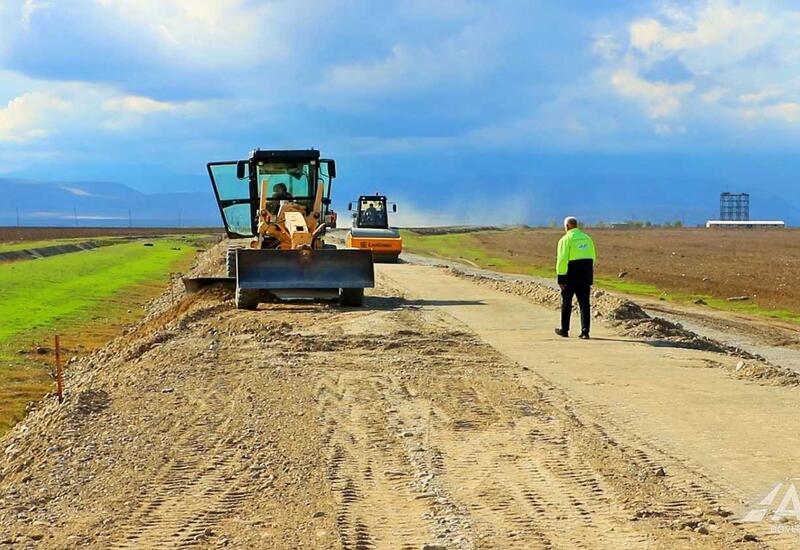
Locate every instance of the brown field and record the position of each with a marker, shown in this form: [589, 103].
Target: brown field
[761, 264]
[17, 234]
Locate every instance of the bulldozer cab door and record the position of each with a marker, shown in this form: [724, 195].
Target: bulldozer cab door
[237, 201]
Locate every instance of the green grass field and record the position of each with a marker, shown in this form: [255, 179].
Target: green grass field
[70, 294]
[464, 247]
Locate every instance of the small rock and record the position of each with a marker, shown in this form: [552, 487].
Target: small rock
[738, 298]
[660, 472]
[168, 390]
[318, 515]
[406, 434]
[702, 530]
[740, 366]
[37, 536]
[622, 274]
[701, 302]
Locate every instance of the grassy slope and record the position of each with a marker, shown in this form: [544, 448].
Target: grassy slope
[25, 245]
[67, 294]
[464, 247]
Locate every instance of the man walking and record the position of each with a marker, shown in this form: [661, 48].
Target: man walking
[575, 270]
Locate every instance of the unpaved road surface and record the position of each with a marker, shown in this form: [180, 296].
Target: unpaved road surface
[442, 415]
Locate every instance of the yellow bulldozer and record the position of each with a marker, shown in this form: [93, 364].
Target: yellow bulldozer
[280, 201]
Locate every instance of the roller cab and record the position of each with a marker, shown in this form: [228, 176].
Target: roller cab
[371, 229]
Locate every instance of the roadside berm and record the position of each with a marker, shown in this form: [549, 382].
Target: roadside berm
[396, 425]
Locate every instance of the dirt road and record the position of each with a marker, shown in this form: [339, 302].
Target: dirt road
[442, 415]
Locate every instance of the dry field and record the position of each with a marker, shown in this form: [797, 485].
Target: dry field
[761, 264]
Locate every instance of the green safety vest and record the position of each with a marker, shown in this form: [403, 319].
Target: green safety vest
[575, 245]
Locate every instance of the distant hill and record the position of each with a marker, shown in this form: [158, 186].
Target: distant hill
[91, 203]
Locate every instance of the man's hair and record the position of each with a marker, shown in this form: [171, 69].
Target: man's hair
[570, 221]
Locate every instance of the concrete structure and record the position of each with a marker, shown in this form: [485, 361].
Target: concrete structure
[746, 223]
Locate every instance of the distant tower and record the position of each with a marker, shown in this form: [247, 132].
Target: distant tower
[734, 207]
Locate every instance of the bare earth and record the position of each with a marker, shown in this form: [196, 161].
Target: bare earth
[761, 264]
[444, 414]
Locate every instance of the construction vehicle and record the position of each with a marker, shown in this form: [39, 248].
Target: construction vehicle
[280, 201]
[371, 229]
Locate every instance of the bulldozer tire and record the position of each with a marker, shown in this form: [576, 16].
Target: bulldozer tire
[246, 298]
[231, 262]
[351, 297]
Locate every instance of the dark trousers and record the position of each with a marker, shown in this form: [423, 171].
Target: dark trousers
[582, 293]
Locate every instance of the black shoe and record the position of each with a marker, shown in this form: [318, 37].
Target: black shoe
[562, 333]
[584, 336]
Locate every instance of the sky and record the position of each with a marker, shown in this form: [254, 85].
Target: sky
[515, 111]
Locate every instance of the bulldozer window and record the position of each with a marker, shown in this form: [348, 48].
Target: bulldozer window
[230, 189]
[294, 177]
[228, 186]
[237, 217]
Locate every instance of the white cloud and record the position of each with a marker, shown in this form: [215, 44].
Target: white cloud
[661, 99]
[669, 129]
[714, 95]
[73, 107]
[646, 34]
[138, 104]
[407, 67]
[761, 96]
[788, 112]
[30, 116]
[716, 23]
[606, 46]
[728, 59]
[29, 7]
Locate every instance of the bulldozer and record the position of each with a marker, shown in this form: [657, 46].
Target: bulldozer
[279, 201]
[371, 229]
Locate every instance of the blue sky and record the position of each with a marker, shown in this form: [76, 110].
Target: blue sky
[532, 107]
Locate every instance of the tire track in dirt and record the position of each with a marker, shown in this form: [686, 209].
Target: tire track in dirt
[371, 477]
[524, 485]
[192, 490]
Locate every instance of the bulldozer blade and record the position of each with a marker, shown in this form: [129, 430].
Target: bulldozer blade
[304, 269]
[194, 284]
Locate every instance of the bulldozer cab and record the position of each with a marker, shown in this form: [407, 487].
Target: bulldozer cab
[290, 176]
[371, 212]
